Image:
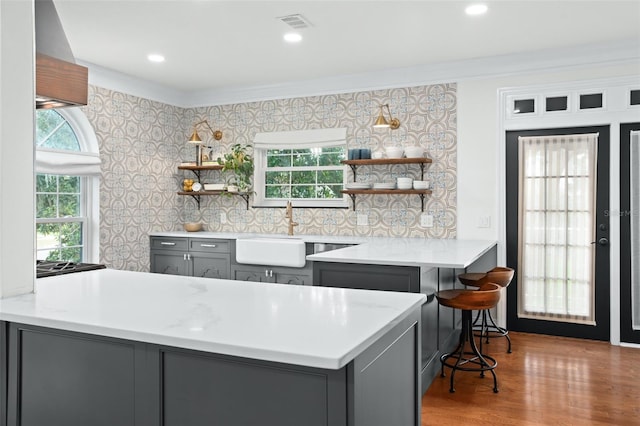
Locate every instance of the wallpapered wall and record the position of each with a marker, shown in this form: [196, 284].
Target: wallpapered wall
[142, 142]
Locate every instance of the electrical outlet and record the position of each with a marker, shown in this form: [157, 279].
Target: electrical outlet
[484, 222]
[426, 221]
[362, 220]
[223, 217]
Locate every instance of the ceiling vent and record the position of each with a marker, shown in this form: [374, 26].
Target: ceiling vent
[297, 21]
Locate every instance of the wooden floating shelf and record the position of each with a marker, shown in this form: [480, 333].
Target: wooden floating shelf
[196, 195]
[386, 191]
[355, 192]
[206, 167]
[374, 161]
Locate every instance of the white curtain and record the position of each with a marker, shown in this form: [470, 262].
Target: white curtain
[301, 138]
[69, 163]
[557, 185]
[634, 163]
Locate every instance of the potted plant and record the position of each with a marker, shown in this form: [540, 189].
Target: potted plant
[240, 162]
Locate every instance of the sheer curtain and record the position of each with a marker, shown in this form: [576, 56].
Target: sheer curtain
[634, 159]
[556, 267]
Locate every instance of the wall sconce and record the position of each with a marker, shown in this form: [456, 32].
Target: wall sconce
[381, 121]
[195, 139]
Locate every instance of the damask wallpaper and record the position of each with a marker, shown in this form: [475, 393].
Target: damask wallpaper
[142, 142]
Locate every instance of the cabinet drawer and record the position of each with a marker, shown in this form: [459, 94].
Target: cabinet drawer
[209, 245]
[166, 243]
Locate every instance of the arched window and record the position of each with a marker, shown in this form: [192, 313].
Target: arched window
[67, 186]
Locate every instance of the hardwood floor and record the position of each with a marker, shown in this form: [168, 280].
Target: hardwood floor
[545, 381]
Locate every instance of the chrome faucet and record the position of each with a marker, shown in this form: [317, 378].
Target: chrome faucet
[289, 215]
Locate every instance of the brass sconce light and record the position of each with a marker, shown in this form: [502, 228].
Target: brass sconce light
[381, 121]
[195, 139]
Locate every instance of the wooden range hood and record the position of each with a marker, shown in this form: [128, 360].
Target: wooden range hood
[60, 82]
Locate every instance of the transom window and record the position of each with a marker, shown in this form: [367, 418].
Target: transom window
[302, 166]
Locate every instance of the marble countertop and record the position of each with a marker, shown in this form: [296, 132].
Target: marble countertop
[302, 325]
[439, 253]
[410, 252]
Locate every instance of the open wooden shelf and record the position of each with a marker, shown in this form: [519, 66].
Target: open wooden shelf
[378, 161]
[196, 195]
[354, 192]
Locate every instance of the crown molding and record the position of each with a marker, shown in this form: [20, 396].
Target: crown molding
[602, 54]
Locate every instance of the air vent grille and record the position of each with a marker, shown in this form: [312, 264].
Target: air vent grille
[297, 21]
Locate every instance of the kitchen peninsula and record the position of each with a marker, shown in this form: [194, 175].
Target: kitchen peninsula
[413, 265]
[110, 347]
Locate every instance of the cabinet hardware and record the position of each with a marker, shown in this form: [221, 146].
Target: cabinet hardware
[208, 245]
[164, 243]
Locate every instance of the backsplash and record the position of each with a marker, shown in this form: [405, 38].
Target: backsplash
[142, 142]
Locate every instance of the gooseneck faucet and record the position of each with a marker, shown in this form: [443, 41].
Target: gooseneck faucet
[289, 215]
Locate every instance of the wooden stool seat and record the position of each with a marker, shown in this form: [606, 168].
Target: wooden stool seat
[486, 297]
[499, 275]
[472, 279]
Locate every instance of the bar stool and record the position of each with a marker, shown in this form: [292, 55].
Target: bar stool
[498, 275]
[486, 297]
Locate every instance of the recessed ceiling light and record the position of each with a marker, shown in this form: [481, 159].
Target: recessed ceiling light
[292, 37]
[476, 9]
[154, 57]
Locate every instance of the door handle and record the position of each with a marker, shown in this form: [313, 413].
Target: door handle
[602, 241]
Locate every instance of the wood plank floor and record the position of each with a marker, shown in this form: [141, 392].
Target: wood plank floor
[545, 381]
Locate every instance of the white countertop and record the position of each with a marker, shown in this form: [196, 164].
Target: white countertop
[410, 252]
[303, 325]
[438, 253]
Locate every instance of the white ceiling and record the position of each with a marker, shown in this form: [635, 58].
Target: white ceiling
[210, 44]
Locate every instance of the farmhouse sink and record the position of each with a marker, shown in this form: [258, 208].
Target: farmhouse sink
[273, 251]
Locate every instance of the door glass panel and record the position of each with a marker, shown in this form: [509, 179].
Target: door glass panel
[557, 225]
[634, 187]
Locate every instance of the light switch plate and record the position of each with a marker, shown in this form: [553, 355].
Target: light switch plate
[426, 221]
[484, 222]
[362, 220]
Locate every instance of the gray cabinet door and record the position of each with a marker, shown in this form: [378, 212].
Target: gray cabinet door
[368, 277]
[297, 279]
[168, 262]
[250, 274]
[210, 266]
[64, 379]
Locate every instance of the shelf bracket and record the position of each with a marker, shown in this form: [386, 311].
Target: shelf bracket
[245, 197]
[197, 198]
[354, 167]
[353, 199]
[422, 174]
[422, 201]
[197, 173]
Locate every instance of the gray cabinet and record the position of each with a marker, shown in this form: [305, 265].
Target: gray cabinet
[272, 274]
[61, 378]
[369, 277]
[440, 326]
[198, 257]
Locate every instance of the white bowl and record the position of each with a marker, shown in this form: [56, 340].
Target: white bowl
[377, 155]
[414, 151]
[404, 183]
[394, 152]
[420, 184]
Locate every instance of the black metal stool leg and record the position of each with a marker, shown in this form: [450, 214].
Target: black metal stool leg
[474, 358]
[488, 326]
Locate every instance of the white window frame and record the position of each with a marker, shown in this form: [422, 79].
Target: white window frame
[86, 164]
[299, 139]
